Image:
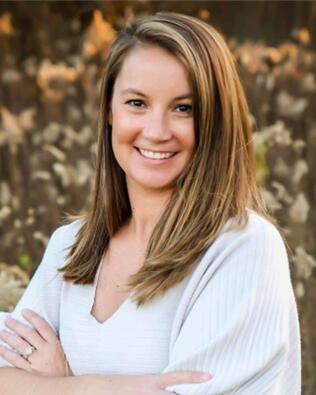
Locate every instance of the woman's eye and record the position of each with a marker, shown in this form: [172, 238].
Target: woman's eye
[137, 104]
[135, 101]
[187, 106]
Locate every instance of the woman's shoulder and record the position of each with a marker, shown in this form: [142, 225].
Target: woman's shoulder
[258, 244]
[59, 242]
[248, 256]
[257, 228]
[66, 233]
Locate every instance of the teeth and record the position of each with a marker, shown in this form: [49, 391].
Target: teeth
[156, 155]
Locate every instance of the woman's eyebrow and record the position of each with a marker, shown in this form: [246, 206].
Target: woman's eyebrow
[137, 92]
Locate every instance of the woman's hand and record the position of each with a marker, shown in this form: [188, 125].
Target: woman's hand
[48, 358]
[151, 384]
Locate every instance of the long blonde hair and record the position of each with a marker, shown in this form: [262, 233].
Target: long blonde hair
[218, 184]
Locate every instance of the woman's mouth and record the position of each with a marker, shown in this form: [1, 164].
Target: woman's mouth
[155, 154]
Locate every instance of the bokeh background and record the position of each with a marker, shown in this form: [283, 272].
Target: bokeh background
[51, 56]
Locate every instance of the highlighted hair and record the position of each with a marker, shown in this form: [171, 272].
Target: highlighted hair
[218, 184]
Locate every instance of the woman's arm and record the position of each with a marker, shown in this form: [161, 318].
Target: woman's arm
[18, 382]
[42, 294]
[239, 319]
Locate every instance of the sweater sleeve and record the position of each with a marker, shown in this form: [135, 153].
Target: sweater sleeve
[240, 323]
[43, 291]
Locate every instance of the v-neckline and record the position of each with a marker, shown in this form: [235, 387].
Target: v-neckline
[92, 300]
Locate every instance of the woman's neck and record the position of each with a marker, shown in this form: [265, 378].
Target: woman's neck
[147, 207]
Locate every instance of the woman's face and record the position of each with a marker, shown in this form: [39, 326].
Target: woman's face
[152, 129]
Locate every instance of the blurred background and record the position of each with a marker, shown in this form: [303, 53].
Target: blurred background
[51, 56]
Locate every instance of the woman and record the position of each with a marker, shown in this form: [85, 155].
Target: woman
[176, 267]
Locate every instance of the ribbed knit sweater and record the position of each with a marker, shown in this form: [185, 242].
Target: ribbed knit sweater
[234, 316]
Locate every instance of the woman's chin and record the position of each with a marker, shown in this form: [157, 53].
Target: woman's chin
[155, 185]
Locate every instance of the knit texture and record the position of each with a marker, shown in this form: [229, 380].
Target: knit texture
[235, 316]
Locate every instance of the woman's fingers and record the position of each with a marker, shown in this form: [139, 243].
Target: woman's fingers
[41, 325]
[27, 333]
[14, 359]
[48, 359]
[173, 378]
[14, 341]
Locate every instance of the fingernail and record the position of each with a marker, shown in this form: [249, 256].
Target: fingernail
[205, 376]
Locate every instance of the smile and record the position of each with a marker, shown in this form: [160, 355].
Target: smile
[156, 155]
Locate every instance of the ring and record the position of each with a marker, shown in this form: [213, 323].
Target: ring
[28, 352]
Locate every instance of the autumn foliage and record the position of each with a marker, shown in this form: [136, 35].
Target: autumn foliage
[48, 117]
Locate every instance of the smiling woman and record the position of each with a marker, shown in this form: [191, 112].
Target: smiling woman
[176, 268]
[153, 143]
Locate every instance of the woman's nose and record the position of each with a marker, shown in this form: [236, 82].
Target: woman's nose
[156, 128]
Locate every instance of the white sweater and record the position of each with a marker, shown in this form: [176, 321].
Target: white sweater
[235, 316]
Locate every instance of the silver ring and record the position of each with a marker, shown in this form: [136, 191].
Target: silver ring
[28, 352]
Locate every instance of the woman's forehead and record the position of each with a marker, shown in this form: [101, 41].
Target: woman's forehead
[145, 75]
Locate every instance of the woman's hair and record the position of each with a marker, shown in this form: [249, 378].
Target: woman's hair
[218, 184]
